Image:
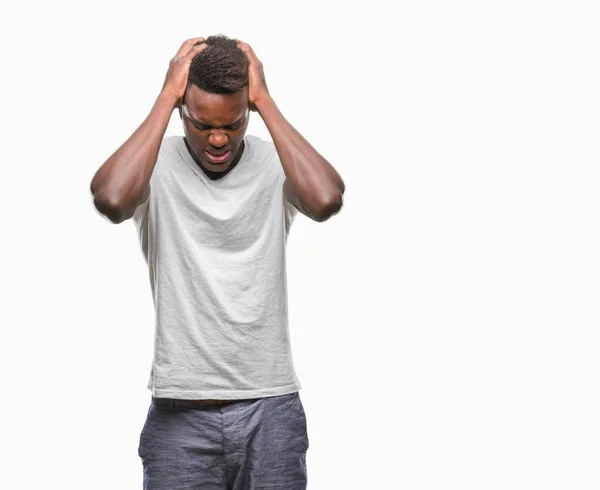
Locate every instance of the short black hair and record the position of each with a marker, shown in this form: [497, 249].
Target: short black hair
[222, 68]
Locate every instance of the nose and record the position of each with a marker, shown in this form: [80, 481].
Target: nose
[217, 138]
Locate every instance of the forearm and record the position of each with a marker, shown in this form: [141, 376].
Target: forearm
[119, 183]
[314, 181]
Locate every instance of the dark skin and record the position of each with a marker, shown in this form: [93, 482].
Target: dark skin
[215, 123]
[123, 181]
[312, 185]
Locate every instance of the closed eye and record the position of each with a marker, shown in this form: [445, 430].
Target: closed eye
[200, 127]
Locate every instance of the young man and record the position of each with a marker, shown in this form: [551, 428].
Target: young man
[213, 211]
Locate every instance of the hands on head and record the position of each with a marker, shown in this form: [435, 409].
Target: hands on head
[257, 85]
[179, 67]
[176, 80]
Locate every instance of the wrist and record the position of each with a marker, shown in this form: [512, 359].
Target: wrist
[264, 103]
[167, 100]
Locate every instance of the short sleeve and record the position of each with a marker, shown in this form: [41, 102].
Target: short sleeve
[289, 210]
[141, 211]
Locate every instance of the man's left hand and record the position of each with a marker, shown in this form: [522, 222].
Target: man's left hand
[257, 86]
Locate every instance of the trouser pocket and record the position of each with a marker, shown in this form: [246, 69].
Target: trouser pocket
[145, 440]
[302, 415]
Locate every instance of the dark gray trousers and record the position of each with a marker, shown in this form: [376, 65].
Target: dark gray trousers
[245, 445]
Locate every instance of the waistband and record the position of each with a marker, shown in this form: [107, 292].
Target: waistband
[179, 402]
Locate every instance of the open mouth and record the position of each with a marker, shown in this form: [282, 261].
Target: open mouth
[217, 157]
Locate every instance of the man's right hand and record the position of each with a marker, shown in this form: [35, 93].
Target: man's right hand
[179, 68]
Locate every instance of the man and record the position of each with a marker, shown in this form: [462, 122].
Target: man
[213, 211]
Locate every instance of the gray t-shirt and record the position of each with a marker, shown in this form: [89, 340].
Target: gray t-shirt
[215, 251]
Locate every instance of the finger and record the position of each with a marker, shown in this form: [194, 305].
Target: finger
[194, 50]
[187, 45]
[248, 51]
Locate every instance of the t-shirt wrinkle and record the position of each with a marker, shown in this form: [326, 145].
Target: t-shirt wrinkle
[215, 251]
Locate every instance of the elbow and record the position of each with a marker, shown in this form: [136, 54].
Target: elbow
[111, 210]
[330, 208]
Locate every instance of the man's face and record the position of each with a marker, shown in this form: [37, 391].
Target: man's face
[215, 125]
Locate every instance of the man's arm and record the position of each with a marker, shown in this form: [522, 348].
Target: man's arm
[122, 182]
[311, 184]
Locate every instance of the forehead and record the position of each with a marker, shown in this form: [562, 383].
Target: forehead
[215, 109]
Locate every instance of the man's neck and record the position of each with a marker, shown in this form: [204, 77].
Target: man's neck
[212, 175]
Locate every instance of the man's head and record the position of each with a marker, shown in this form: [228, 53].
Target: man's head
[215, 106]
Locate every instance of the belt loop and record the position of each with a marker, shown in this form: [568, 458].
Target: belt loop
[171, 403]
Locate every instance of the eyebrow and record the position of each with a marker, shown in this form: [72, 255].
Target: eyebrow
[200, 123]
